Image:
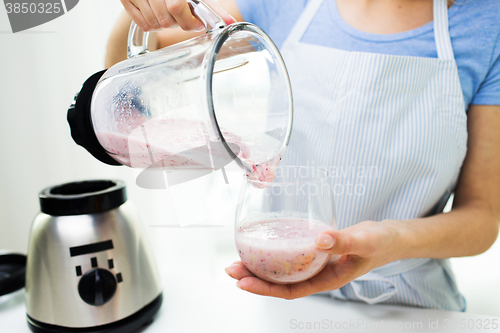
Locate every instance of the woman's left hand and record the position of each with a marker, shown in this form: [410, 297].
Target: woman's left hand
[355, 251]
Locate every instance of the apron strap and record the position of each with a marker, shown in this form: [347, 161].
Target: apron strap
[379, 274]
[304, 20]
[442, 30]
[390, 289]
[441, 26]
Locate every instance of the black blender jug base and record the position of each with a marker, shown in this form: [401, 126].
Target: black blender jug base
[127, 325]
[80, 123]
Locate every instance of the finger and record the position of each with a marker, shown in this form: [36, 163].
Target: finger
[159, 9]
[238, 271]
[217, 8]
[181, 13]
[333, 276]
[338, 242]
[136, 15]
[148, 14]
[257, 286]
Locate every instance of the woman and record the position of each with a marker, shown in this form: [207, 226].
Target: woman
[410, 89]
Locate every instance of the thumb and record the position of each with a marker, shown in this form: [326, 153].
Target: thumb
[338, 242]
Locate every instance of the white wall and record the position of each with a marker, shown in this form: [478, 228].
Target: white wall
[40, 71]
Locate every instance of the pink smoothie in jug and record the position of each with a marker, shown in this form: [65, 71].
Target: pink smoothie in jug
[182, 144]
[282, 250]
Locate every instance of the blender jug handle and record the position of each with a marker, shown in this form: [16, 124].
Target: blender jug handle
[135, 35]
[200, 10]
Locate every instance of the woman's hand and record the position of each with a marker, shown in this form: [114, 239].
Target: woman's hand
[156, 14]
[355, 251]
[469, 229]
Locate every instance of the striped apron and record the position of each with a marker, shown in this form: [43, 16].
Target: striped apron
[392, 132]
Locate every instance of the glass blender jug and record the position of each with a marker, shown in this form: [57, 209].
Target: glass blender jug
[198, 104]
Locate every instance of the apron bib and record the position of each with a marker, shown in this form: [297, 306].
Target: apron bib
[390, 130]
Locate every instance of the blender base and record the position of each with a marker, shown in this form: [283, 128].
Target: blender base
[127, 325]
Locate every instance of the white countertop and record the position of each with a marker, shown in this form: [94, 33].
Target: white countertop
[199, 297]
[203, 305]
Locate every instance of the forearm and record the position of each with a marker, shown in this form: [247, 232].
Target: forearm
[472, 225]
[465, 231]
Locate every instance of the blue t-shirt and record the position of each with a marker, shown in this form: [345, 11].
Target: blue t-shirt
[474, 30]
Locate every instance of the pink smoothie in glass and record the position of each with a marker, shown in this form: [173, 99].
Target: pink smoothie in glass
[281, 250]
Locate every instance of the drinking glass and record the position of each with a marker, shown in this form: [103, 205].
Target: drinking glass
[277, 224]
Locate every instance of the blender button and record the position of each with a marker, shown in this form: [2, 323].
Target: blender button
[78, 270]
[110, 264]
[119, 277]
[93, 261]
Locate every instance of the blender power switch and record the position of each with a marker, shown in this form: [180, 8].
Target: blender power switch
[97, 286]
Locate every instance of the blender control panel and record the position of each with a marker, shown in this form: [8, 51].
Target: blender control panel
[97, 285]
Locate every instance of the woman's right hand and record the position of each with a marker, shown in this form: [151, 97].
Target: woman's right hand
[157, 14]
